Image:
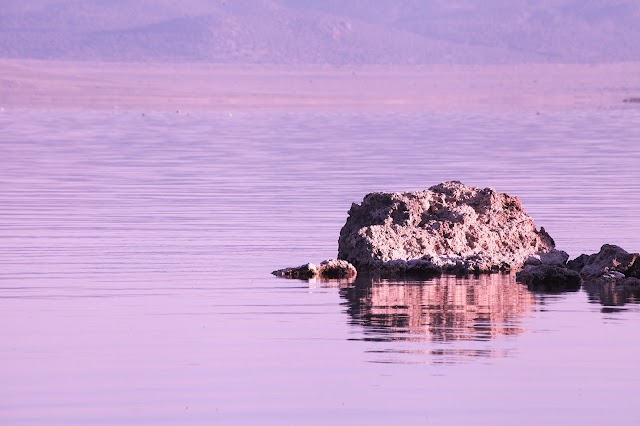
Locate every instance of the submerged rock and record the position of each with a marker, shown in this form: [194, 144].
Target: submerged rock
[450, 227]
[329, 269]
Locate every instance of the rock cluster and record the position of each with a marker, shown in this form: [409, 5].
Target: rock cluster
[449, 228]
[612, 265]
[458, 229]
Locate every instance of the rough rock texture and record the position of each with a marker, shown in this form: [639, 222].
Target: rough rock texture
[415, 267]
[450, 228]
[611, 265]
[554, 257]
[329, 269]
[611, 258]
[578, 263]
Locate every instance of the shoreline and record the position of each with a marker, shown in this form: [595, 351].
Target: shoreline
[174, 87]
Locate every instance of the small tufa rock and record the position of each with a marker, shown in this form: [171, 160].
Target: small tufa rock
[612, 265]
[328, 269]
[610, 258]
[554, 257]
[334, 268]
[306, 271]
[549, 272]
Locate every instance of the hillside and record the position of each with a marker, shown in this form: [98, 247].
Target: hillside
[322, 31]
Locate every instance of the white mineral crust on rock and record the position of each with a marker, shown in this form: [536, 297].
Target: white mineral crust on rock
[450, 227]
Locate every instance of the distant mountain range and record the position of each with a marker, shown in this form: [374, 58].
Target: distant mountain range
[336, 32]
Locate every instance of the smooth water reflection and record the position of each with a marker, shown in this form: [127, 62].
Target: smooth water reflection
[447, 319]
[609, 296]
[443, 320]
[441, 310]
[456, 320]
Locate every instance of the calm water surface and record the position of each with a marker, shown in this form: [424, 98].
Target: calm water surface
[136, 249]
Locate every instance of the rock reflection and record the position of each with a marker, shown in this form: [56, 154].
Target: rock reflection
[443, 309]
[611, 295]
[321, 282]
[436, 356]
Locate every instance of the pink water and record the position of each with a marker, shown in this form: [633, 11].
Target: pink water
[136, 249]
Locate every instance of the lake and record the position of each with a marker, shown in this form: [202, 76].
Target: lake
[137, 248]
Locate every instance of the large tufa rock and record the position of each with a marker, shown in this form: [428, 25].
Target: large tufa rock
[328, 269]
[450, 227]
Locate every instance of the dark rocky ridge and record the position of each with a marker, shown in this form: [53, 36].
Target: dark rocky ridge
[611, 266]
